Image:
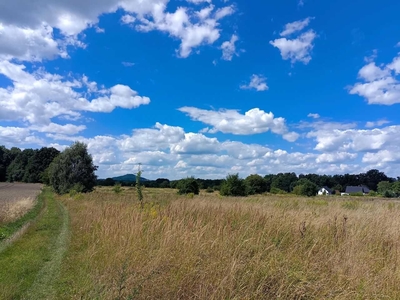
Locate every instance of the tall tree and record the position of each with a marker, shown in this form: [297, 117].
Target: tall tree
[73, 169]
[256, 184]
[16, 170]
[38, 163]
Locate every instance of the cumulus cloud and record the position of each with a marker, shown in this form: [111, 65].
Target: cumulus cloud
[27, 34]
[357, 140]
[291, 28]
[298, 49]
[192, 28]
[257, 82]
[39, 97]
[380, 83]
[229, 48]
[253, 121]
[12, 136]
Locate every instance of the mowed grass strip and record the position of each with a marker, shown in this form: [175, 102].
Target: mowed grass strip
[22, 261]
[208, 247]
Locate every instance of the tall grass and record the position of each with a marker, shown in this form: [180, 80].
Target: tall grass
[209, 247]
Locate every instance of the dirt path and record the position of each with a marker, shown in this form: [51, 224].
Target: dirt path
[43, 287]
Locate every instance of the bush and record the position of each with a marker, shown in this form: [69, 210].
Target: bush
[305, 187]
[389, 194]
[117, 189]
[275, 190]
[187, 186]
[234, 186]
[358, 194]
[210, 190]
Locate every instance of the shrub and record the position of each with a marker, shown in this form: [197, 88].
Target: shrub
[234, 186]
[275, 190]
[389, 194]
[117, 189]
[187, 186]
[210, 190]
[358, 194]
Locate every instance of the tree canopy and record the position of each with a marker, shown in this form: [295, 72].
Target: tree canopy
[73, 169]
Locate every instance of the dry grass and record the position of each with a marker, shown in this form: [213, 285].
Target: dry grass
[266, 247]
[16, 199]
[13, 210]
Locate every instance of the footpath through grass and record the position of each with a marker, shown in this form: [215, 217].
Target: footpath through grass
[30, 265]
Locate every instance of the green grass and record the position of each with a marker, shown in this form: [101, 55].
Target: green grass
[21, 262]
[7, 230]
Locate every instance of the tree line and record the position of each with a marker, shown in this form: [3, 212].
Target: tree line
[72, 169]
[26, 165]
[303, 184]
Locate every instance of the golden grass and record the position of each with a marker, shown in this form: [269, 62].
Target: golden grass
[13, 210]
[208, 247]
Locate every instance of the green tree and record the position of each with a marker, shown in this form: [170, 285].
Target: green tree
[283, 181]
[38, 163]
[234, 186]
[256, 184]
[396, 187]
[384, 187]
[16, 170]
[305, 187]
[187, 186]
[73, 169]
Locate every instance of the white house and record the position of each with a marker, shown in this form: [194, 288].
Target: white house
[325, 191]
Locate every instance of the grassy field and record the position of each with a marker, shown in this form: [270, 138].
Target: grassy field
[208, 247]
[102, 245]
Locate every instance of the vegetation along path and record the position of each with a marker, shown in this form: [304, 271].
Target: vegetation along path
[30, 266]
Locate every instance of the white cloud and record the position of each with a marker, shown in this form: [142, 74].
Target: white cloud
[257, 82]
[291, 28]
[28, 44]
[193, 28]
[338, 157]
[27, 34]
[314, 116]
[68, 129]
[371, 72]
[357, 140]
[229, 48]
[128, 64]
[198, 1]
[194, 143]
[297, 49]
[231, 121]
[12, 136]
[39, 97]
[380, 84]
[128, 19]
[376, 124]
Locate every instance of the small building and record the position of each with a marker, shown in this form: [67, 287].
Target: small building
[325, 191]
[357, 189]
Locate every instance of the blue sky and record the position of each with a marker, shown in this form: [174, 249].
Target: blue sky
[205, 88]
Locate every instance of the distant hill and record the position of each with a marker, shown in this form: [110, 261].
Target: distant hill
[128, 178]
